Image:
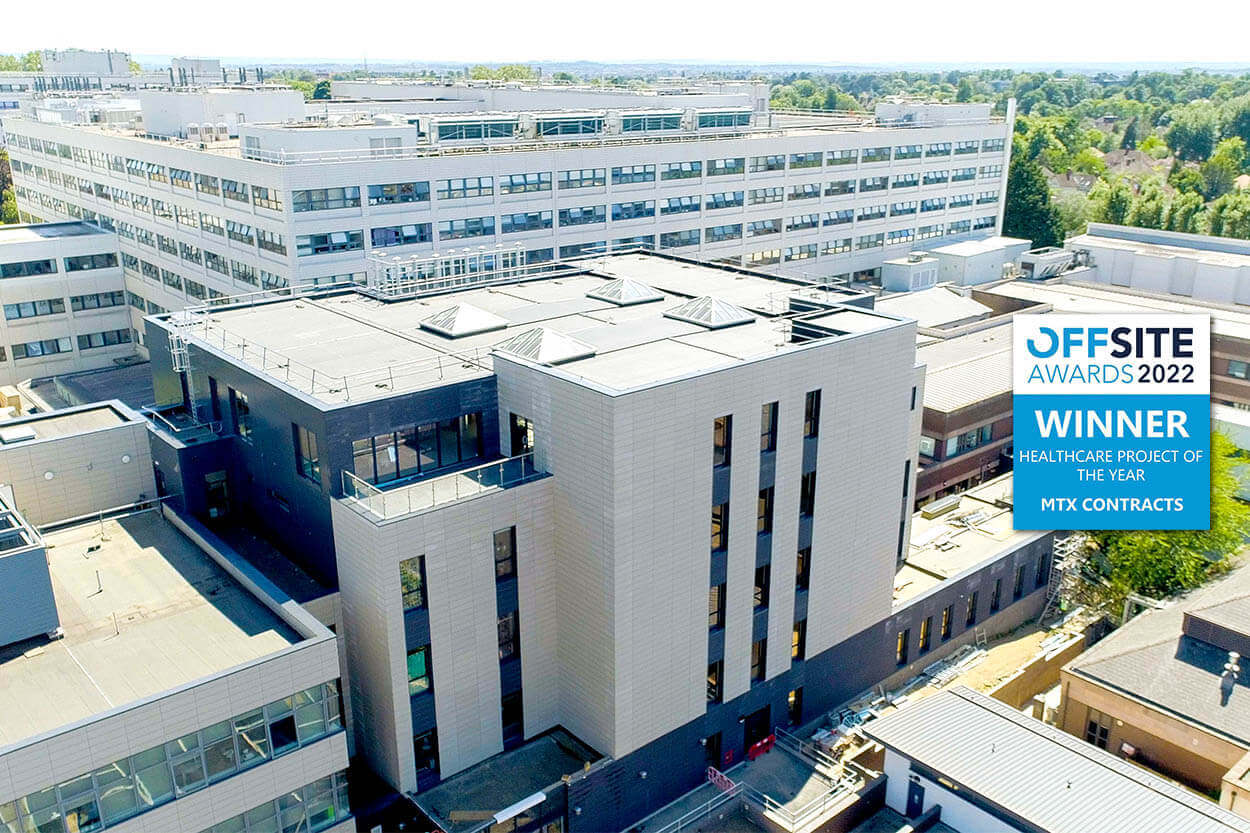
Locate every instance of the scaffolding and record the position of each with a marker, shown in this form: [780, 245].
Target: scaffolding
[1067, 560]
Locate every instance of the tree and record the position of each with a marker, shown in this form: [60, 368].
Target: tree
[966, 90]
[1028, 212]
[1153, 146]
[1089, 161]
[1161, 564]
[32, 62]
[1235, 118]
[6, 173]
[1110, 202]
[1229, 216]
[8, 207]
[1224, 166]
[1149, 208]
[1129, 140]
[1187, 180]
[304, 87]
[1184, 213]
[135, 69]
[1073, 210]
[10, 63]
[1193, 132]
[322, 89]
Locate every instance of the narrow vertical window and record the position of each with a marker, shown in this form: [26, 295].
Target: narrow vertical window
[716, 606]
[764, 512]
[307, 460]
[926, 634]
[798, 642]
[763, 577]
[803, 568]
[901, 648]
[720, 527]
[505, 553]
[412, 581]
[811, 414]
[768, 427]
[721, 431]
[759, 658]
[807, 494]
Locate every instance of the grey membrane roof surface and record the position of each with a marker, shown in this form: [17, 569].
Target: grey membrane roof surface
[349, 347]
[1039, 773]
[46, 231]
[1151, 659]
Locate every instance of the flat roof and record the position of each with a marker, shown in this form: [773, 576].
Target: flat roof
[468, 800]
[1194, 251]
[1040, 774]
[1071, 294]
[33, 233]
[967, 248]
[178, 617]
[351, 347]
[937, 307]
[61, 423]
[978, 528]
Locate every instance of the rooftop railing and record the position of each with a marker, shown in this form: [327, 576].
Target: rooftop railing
[400, 500]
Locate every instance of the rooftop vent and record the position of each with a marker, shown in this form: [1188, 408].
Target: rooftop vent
[462, 320]
[17, 434]
[624, 292]
[545, 346]
[709, 312]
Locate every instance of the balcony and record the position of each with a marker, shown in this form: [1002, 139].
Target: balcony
[395, 500]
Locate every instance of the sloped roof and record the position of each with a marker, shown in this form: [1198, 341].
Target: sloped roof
[709, 312]
[545, 346]
[1040, 774]
[1151, 659]
[623, 292]
[463, 320]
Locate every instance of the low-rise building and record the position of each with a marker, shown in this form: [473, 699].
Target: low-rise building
[975, 765]
[64, 301]
[1159, 691]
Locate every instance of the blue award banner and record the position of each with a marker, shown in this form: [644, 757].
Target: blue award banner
[1112, 422]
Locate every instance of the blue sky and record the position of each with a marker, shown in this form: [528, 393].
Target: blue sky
[980, 32]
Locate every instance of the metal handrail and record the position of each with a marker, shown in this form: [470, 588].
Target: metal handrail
[448, 488]
[702, 811]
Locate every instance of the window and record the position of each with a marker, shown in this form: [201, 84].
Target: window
[718, 234]
[811, 414]
[801, 222]
[477, 130]
[810, 191]
[206, 184]
[633, 173]
[1238, 370]
[46, 347]
[764, 512]
[634, 124]
[108, 338]
[768, 427]
[991, 171]
[242, 414]
[34, 309]
[334, 241]
[906, 181]
[759, 228]
[677, 239]
[512, 718]
[681, 170]
[840, 187]
[307, 461]
[568, 126]
[936, 177]
[419, 670]
[521, 434]
[926, 634]
[759, 657]
[720, 527]
[872, 212]
[726, 199]
[325, 199]
[405, 235]
[875, 155]
[471, 227]
[715, 681]
[633, 210]
[948, 613]
[399, 192]
[902, 208]
[996, 597]
[716, 606]
[724, 119]
[425, 746]
[412, 581]
[803, 568]
[99, 300]
[804, 252]
[760, 196]
[1017, 589]
[466, 187]
[524, 183]
[505, 553]
[842, 157]
[928, 445]
[794, 706]
[509, 637]
[807, 494]
[963, 174]
[269, 198]
[901, 647]
[723, 167]
[1097, 728]
[798, 641]
[583, 178]
[583, 215]
[763, 576]
[971, 618]
[837, 218]
[644, 241]
[680, 205]
[1040, 572]
[721, 439]
[83, 262]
